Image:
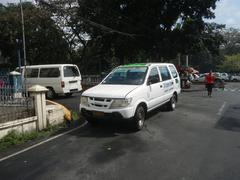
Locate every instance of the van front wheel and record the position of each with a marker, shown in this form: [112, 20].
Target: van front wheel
[139, 117]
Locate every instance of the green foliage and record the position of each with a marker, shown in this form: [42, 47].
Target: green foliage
[126, 31]
[230, 64]
[231, 45]
[162, 28]
[44, 41]
[101, 34]
[15, 138]
[204, 61]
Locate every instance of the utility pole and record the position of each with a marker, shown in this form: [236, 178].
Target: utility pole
[24, 46]
[179, 59]
[187, 60]
[19, 54]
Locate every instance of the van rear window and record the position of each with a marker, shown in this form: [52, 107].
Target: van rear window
[49, 72]
[70, 71]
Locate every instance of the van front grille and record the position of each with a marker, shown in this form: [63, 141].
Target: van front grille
[98, 102]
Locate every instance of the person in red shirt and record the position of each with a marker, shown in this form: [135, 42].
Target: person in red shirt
[209, 79]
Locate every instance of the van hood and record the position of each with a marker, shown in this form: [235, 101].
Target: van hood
[109, 91]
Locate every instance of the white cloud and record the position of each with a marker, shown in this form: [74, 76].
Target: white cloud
[227, 12]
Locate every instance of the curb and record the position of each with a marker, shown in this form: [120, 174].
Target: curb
[41, 142]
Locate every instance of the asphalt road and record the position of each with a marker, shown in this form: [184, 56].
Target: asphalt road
[198, 141]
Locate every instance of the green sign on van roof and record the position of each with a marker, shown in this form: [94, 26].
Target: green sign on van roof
[134, 65]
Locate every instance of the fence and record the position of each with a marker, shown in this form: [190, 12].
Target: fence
[15, 104]
[90, 80]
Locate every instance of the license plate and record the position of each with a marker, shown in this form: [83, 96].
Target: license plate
[98, 114]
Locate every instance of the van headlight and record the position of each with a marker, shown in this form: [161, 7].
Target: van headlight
[120, 103]
[84, 100]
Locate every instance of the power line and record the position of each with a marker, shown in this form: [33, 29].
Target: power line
[95, 24]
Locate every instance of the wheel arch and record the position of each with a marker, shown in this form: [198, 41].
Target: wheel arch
[143, 103]
[144, 106]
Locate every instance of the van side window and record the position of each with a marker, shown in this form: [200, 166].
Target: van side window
[49, 72]
[153, 76]
[173, 71]
[164, 73]
[32, 73]
[70, 71]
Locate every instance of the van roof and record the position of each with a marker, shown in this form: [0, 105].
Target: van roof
[48, 65]
[144, 64]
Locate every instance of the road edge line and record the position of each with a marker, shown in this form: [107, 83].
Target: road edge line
[221, 108]
[40, 143]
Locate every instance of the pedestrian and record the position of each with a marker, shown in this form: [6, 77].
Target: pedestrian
[209, 80]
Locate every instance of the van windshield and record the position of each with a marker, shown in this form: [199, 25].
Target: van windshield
[127, 75]
[70, 71]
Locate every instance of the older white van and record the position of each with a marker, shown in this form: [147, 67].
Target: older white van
[130, 91]
[58, 78]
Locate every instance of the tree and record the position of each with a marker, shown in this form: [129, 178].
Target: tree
[230, 64]
[232, 41]
[44, 40]
[162, 28]
[123, 29]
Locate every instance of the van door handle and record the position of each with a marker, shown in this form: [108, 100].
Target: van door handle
[161, 86]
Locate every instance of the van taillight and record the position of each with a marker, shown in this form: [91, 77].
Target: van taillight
[62, 84]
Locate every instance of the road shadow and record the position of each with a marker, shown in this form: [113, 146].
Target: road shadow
[104, 129]
[230, 120]
[113, 127]
[160, 109]
[61, 97]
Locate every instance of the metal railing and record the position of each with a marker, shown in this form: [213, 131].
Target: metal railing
[91, 80]
[15, 104]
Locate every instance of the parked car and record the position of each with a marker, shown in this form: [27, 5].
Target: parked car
[218, 83]
[224, 76]
[235, 78]
[200, 78]
[130, 91]
[58, 78]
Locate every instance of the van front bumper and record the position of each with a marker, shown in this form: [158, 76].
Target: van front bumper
[109, 114]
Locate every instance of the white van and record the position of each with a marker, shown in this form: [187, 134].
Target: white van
[130, 91]
[58, 78]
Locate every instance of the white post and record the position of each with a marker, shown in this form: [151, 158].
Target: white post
[186, 60]
[38, 92]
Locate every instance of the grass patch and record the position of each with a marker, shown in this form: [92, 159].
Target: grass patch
[15, 138]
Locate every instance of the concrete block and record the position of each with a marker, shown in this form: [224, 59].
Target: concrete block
[55, 115]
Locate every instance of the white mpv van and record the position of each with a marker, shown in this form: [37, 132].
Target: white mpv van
[58, 78]
[130, 91]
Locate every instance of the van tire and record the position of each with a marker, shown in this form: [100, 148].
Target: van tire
[51, 93]
[139, 118]
[172, 103]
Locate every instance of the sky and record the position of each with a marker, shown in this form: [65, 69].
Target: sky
[227, 12]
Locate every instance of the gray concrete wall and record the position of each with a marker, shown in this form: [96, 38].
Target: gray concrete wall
[20, 126]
